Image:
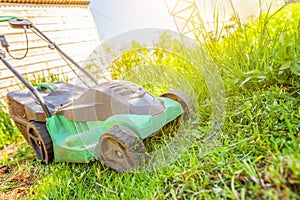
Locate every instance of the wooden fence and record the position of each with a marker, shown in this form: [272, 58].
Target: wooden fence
[68, 23]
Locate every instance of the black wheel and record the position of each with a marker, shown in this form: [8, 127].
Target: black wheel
[121, 149]
[184, 100]
[40, 141]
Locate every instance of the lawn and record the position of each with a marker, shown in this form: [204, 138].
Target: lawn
[255, 156]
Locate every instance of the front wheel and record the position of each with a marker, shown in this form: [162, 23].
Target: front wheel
[121, 149]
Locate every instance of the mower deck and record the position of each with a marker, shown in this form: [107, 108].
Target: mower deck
[75, 141]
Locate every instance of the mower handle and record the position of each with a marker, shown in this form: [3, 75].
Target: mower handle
[25, 23]
[16, 73]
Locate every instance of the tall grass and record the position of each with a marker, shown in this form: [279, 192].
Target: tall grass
[260, 53]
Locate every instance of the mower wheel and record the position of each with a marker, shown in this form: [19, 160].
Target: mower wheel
[40, 141]
[121, 149]
[184, 100]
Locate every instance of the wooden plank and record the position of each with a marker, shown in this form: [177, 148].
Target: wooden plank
[59, 70]
[58, 37]
[74, 51]
[34, 11]
[31, 68]
[66, 47]
[72, 2]
[48, 28]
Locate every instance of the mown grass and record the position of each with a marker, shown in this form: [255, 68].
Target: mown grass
[256, 157]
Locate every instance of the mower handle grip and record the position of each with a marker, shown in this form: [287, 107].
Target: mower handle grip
[45, 86]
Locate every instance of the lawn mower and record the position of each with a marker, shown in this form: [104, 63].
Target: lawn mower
[108, 122]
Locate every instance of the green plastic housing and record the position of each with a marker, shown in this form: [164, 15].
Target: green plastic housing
[78, 141]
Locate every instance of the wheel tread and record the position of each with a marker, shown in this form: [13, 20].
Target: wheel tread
[46, 140]
[133, 143]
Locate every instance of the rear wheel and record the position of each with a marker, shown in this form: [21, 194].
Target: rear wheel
[40, 141]
[121, 149]
[184, 100]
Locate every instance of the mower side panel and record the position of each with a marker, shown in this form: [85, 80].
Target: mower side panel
[78, 141]
[146, 125]
[24, 107]
[61, 130]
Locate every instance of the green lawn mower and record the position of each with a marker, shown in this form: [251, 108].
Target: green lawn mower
[68, 123]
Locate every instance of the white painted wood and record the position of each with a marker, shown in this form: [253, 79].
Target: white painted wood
[70, 26]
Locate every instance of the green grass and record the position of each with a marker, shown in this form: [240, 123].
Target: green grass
[256, 156]
[263, 52]
[8, 133]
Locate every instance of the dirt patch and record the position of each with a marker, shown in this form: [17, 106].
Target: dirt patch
[15, 179]
[17, 193]
[4, 170]
[15, 184]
